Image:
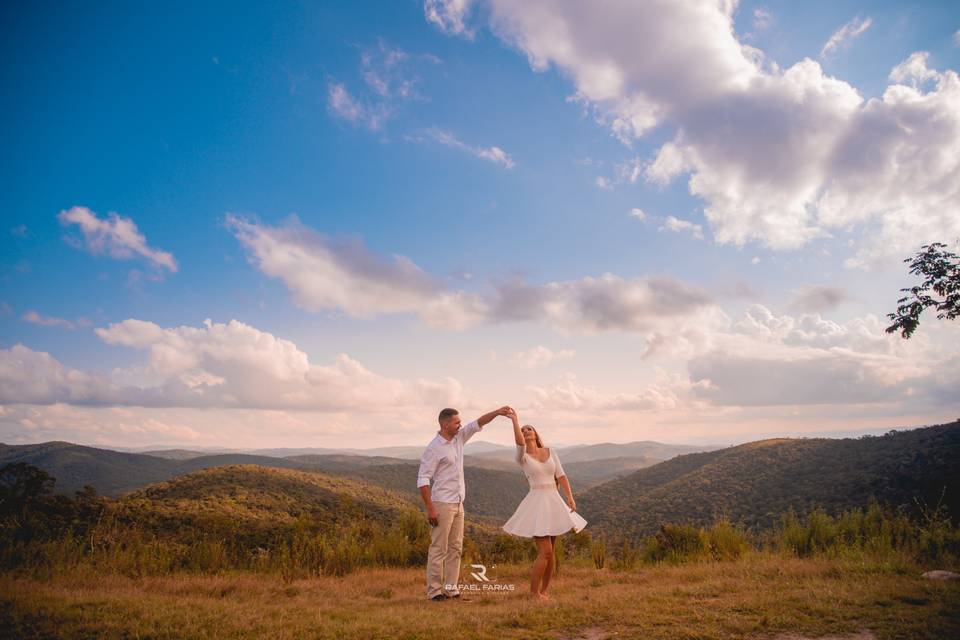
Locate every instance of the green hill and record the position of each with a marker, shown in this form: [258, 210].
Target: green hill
[250, 505]
[589, 473]
[754, 482]
[490, 492]
[110, 472]
[253, 497]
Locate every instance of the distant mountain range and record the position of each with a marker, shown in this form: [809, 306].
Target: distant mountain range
[754, 482]
[627, 494]
[115, 472]
[495, 483]
[408, 452]
[479, 448]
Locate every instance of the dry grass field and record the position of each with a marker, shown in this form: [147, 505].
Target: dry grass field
[761, 595]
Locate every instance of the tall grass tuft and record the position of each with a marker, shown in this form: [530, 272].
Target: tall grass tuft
[880, 533]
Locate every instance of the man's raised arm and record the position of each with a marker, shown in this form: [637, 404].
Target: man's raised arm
[469, 429]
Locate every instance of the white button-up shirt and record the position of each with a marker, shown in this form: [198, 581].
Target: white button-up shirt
[442, 462]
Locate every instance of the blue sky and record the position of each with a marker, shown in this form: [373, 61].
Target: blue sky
[483, 147]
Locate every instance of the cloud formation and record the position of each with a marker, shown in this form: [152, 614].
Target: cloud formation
[450, 16]
[762, 19]
[390, 80]
[492, 154]
[540, 356]
[766, 360]
[677, 225]
[667, 393]
[33, 317]
[778, 156]
[843, 36]
[817, 298]
[343, 105]
[114, 236]
[231, 365]
[327, 275]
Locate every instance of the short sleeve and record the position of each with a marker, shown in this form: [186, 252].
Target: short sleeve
[519, 456]
[428, 465]
[558, 473]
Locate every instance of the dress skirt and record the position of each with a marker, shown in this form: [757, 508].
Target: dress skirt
[542, 512]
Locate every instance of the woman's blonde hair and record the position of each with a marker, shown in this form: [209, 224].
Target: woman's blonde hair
[539, 441]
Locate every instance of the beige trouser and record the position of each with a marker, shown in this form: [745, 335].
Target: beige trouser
[446, 544]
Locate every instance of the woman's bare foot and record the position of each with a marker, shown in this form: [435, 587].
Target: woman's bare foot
[543, 594]
[538, 596]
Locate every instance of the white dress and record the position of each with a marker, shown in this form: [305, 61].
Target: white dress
[542, 512]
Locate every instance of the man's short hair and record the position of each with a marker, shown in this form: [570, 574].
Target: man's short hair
[447, 414]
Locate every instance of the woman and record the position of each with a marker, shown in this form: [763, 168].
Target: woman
[541, 514]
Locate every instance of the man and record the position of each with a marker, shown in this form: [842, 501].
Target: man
[442, 462]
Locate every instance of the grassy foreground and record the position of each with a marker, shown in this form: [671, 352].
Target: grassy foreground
[760, 595]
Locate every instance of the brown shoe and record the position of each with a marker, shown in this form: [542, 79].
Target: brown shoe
[440, 596]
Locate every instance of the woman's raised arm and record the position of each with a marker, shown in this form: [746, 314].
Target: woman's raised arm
[517, 436]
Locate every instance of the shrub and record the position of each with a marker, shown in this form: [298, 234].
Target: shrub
[599, 552]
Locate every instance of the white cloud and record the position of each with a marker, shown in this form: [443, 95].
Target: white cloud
[863, 335]
[668, 164]
[914, 70]
[540, 356]
[390, 78]
[668, 392]
[382, 70]
[897, 166]
[211, 427]
[327, 275]
[493, 154]
[779, 156]
[677, 225]
[783, 360]
[449, 16]
[762, 19]
[817, 298]
[638, 214]
[47, 321]
[29, 424]
[956, 38]
[324, 275]
[230, 365]
[769, 360]
[827, 377]
[343, 105]
[653, 306]
[115, 236]
[34, 377]
[843, 36]
[602, 183]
